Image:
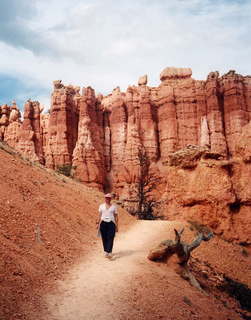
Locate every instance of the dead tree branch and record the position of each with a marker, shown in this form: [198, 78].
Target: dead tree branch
[183, 250]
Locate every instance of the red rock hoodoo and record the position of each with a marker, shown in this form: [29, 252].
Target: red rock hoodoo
[195, 136]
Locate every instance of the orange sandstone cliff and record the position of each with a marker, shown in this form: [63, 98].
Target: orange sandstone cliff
[194, 135]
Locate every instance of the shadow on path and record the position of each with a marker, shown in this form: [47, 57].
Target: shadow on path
[124, 253]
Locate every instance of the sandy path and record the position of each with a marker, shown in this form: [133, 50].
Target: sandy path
[94, 289]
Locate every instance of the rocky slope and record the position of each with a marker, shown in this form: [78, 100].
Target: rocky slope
[193, 136]
[47, 224]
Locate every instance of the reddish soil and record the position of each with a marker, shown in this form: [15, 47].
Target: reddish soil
[52, 266]
[47, 223]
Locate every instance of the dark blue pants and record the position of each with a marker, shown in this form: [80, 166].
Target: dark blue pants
[107, 230]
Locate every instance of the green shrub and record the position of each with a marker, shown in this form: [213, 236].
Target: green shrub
[65, 169]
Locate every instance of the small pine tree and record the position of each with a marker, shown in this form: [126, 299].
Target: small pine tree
[147, 183]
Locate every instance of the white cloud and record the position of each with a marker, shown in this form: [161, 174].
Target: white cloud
[106, 43]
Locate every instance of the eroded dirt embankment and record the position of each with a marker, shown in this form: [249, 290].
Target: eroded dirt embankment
[47, 223]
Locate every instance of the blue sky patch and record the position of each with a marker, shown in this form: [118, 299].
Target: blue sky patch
[12, 88]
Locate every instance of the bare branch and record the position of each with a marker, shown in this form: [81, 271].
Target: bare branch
[169, 247]
[208, 236]
[196, 242]
[178, 234]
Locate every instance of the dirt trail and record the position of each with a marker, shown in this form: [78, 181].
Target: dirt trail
[130, 286]
[94, 288]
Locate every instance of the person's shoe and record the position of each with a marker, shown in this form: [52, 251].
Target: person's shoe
[109, 256]
[106, 254]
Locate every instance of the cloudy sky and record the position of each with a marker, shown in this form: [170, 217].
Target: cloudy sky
[106, 43]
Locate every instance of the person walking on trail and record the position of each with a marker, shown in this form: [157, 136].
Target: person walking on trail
[107, 224]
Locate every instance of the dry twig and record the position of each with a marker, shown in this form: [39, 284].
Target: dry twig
[183, 250]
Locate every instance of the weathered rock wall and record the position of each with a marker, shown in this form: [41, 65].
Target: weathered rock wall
[102, 140]
[201, 186]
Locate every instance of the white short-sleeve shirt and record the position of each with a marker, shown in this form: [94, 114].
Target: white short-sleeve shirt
[107, 214]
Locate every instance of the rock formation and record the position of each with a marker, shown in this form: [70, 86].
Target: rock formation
[63, 126]
[4, 120]
[30, 143]
[10, 124]
[88, 155]
[194, 135]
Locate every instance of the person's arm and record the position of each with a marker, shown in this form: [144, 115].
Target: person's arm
[98, 221]
[116, 216]
[117, 222]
